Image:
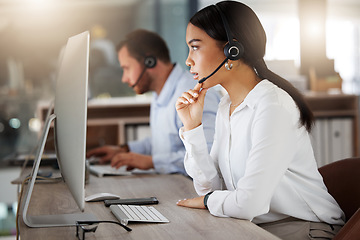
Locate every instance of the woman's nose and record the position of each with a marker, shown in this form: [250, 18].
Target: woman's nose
[188, 62]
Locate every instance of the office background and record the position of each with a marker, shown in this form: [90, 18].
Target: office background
[34, 32]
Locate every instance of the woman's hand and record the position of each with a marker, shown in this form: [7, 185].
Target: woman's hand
[197, 202]
[190, 107]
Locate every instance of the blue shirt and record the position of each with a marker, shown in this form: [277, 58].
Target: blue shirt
[165, 145]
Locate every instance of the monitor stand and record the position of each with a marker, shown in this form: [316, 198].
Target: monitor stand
[48, 220]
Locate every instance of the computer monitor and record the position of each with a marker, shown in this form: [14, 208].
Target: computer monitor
[70, 115]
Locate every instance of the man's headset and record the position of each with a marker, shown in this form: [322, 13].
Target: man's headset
[233, 50]
[149, 62]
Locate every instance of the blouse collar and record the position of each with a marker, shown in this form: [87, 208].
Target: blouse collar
[251, 100]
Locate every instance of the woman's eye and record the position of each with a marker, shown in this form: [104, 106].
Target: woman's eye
[194, 48]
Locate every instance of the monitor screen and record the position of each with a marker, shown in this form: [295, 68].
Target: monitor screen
[70, 115]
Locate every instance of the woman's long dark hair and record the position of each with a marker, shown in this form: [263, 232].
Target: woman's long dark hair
[247, 29]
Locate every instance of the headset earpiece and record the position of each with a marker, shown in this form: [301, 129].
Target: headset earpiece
[233, 50]
[150, 62]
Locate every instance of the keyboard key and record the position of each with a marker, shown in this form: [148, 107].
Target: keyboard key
[131, 212]
[158, 214]
[149, 212]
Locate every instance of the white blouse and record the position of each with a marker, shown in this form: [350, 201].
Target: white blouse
[261, 166]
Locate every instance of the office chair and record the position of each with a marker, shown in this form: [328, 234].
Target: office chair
[342, 179]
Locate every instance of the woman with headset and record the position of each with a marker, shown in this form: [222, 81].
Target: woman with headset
[261, 166]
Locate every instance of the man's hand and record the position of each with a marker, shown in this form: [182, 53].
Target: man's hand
[105, 153]
[132, 160]
[197, 202]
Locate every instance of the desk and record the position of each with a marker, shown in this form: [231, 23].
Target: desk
[185, 223]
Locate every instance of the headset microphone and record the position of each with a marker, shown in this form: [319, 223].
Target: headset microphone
[217, 69]
[233, 50]
[138, 80]
[149, 62]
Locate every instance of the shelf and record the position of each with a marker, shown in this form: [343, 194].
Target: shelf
[330, 106]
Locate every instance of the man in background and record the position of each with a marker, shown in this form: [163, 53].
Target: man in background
[145, 60]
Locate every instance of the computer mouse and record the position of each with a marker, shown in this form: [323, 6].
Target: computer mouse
[100, 197]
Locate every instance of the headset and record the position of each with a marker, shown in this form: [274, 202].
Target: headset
[149, 62]
[233, 50]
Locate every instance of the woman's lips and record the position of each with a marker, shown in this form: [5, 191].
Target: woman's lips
[195, 75]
